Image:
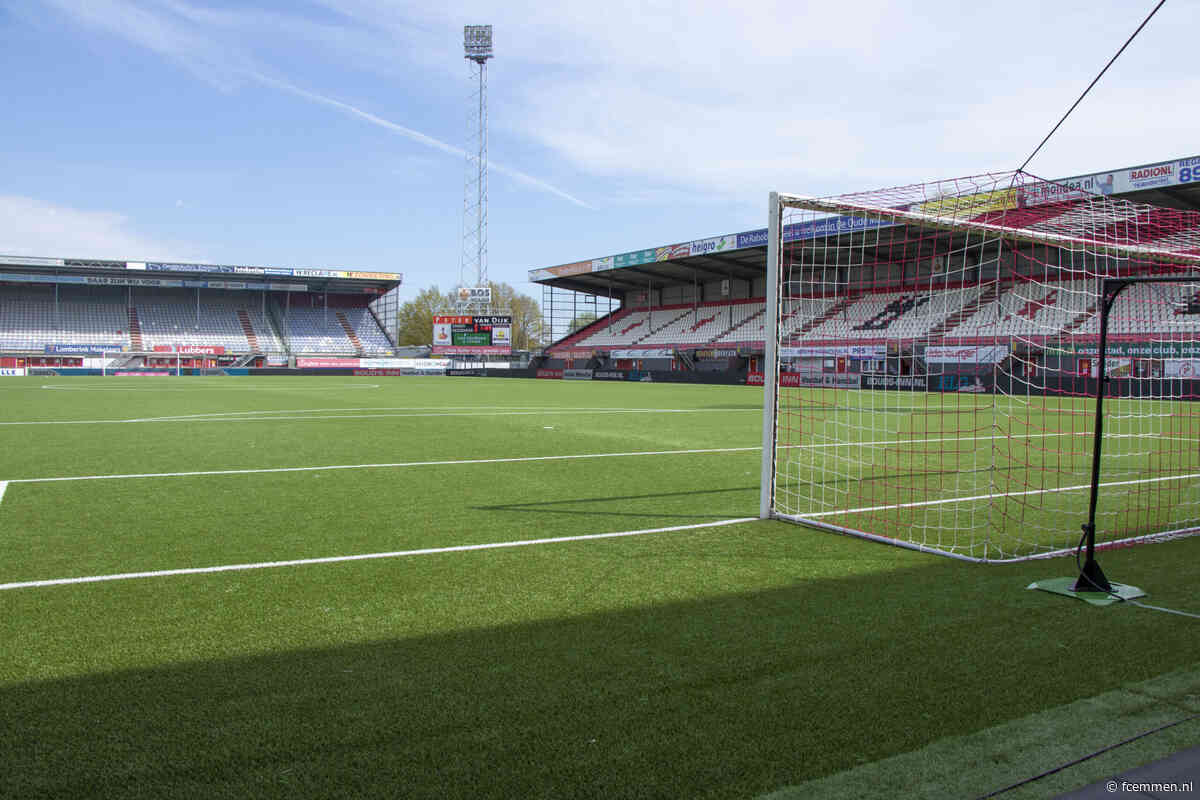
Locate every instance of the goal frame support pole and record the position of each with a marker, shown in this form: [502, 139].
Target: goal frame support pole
[770, 356]
[1091, 577]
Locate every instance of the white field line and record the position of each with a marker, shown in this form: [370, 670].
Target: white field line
[296, 562]
[510, 460]
[978, 497]
[3, 487]
[159, 385]
[264, 416]
[393, 465]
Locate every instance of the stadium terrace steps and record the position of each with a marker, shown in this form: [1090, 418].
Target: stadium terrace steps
[745, 324]
[135, 329]
[327, 330]
[251, 337]
[350, 334]
[990, 293]
[1081, 320]
[829, 314]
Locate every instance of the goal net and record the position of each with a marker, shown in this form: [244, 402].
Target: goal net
[931, 367]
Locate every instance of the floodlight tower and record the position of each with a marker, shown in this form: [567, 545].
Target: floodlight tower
[477, 46]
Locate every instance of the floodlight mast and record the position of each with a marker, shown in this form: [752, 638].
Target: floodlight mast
[477, 47]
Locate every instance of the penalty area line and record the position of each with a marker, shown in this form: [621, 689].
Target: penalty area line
[298, 562]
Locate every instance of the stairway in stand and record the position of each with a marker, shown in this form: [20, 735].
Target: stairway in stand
[830, 313]
[135, 331]
[358, 346]
[1079, 319]
[251, 337]
[966, 312]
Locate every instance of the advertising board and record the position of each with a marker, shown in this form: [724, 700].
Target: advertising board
[464, 334]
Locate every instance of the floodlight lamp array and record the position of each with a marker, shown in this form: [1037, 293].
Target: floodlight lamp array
[477, 42]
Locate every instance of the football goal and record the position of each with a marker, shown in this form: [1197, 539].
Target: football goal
[932, 367]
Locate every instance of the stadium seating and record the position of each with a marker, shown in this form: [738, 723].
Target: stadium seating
[373, 340]
[1030, 310]
[174, 320]
[893, 315]
[32, 319]
[1163, 303]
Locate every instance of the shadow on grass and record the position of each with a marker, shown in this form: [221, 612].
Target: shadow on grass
[728, 696]
[589, 503]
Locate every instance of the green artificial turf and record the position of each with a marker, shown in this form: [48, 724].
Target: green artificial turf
[713, 662]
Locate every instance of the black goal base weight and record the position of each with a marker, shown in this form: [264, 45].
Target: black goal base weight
[1091, 578]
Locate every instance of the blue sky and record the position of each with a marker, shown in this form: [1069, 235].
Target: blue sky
[330, 133]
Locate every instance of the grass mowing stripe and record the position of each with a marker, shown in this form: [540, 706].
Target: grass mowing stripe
[249, 418]
[399, 464]
[507, 460]
[296, 562]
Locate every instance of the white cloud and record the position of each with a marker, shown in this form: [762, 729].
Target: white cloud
[30, 227]
[200, 40]
[711, 98]
[738, 98]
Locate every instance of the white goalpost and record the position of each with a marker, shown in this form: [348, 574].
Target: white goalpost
[930, 367]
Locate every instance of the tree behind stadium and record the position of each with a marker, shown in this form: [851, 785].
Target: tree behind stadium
[414, 321]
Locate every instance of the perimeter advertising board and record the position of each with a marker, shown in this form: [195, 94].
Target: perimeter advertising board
[471, 335]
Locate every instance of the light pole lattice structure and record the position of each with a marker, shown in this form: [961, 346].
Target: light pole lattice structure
[477, 46]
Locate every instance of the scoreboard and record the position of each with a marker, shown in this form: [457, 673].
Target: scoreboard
[469, 335]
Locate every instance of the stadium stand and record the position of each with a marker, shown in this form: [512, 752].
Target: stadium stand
[1035, 311]
[174, 319]
[33, 318]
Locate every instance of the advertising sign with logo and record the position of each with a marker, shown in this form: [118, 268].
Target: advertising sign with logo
[989, 354]
[82, 349]
[634, 258]
[561, 271]
[608, 375]
[650, 352]
[12, 372]
[1178, 368]
[756, 238]
[577, 374]
[1149, 176]
[205, 349]
[818, 380]
[672, 251]
[459, 334]
[552, 374]
[717, 244]
[821, 351]
[977, 384]
[476, 294]
[1158, 349]
[916, 382]
[327, 363]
